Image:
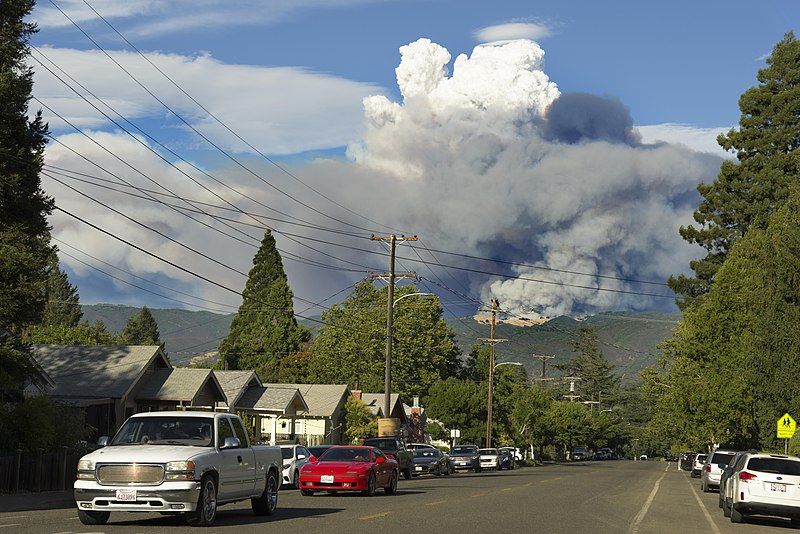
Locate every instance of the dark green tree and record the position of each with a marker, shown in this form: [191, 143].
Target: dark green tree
[748, 191]
[459, 404]
[265, 329]
[63, 307]
[350, 346]
[359, 421]
[83, 334]
[598, 381]
[24, 232]
[141, 329]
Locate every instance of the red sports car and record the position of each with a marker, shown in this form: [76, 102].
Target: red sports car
[344, 468]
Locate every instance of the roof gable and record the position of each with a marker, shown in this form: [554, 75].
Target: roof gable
[322, 399]
[179, 384]
[235, 383]
[272, 399]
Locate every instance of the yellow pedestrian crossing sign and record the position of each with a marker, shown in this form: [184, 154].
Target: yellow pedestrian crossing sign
[786, 426]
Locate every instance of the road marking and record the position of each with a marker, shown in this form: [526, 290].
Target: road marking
[374, 516]
[11, 525]
[478, 494]
[703, 507]
[507, 489]
[5, 517]
[637, 521]
[434, 503]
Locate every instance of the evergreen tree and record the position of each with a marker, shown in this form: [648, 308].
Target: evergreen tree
[24, 232]
[596, 373]
[63, 306]
[83, 334]
[141, 329]
[746, 192]
[359, 421]
[264, 330]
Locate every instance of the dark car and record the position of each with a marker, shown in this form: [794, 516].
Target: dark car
[506, 459]
[687, 459]
[394, 448]
[465, 457]
[579, 454]
[317, 450]
[430, 461]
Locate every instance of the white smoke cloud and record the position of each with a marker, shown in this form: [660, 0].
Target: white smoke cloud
[513, 30]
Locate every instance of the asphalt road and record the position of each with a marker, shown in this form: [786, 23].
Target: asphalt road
[619, 496]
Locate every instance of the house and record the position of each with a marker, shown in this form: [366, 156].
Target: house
[111, 383]
[375, 401]
[323, 421]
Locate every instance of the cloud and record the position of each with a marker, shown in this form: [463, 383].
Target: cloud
[513, 30]
[694, 137]
[281, 110]
[157, 17]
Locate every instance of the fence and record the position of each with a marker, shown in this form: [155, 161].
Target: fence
[38, 470]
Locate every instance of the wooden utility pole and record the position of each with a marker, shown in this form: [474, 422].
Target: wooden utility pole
[544, 359]
[491, 340]
[391, 276]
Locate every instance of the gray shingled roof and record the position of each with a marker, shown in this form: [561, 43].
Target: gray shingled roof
[374, 401]
[268, 398]
[322, 399]
[235, 383]
[93, 371]
[179, 384]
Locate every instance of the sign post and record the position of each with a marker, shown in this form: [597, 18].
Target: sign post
[786, 427]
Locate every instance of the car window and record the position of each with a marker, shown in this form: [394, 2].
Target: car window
[224, 431]
[378, 453]
[303, 451]
[241, 435]
[740, 462]
[286, 453]
[426, 453]
[778, 466]
[721, 459]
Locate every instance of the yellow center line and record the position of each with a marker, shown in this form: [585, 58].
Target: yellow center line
[507, 489]
[434, 503]
[374, 516]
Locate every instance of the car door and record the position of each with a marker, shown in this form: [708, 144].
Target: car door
[229, 476]
[301, 457]
[247, 461]
[382, 471]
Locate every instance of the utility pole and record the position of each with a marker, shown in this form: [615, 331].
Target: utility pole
[572, 395]
[544, 359]
[491, 340]
[391, 276]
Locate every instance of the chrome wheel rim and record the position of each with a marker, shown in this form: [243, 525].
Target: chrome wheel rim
[209, 500]
[272, 493]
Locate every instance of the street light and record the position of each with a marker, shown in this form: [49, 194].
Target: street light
[508, 363]
[387, 382]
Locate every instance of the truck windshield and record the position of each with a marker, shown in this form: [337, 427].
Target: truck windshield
[192, 431]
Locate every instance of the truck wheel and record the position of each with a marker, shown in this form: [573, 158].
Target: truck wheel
[407, 473]
[93, 518]
[391, 489]
[206, 504]
[267, 502]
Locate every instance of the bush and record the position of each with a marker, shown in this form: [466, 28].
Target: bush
[39, 422]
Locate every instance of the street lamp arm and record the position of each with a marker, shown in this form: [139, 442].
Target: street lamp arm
[508, 363]
[412, 295]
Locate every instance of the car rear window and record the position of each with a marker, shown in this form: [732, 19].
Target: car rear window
[779, 466]
[721, 459]
[382, 444]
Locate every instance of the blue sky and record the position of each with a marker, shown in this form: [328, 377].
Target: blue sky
[290, 76]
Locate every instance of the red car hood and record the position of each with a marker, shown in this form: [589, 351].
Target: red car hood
[336, 468]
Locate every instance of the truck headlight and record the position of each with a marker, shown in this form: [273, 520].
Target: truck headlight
[86, 470]
[182, 470]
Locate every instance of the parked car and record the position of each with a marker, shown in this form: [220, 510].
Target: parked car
[294, 457]
[431, 461]
[579, 454]
[317, 450]
[345, 468]
[698, 463]
[764, 484]
[507, 460]
[490, 458]
[465, 457]
[396, 449]
[686, 460]
[712, 470]
[177, 462]
[727, 472]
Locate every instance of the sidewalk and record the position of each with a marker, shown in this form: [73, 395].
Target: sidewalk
[47, 500]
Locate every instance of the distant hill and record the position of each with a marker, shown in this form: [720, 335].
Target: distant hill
[629, 339]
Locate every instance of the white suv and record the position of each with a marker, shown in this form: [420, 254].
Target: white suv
[294, 457]
[715, 463]
[764, 484]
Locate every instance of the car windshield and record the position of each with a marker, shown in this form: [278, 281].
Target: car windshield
[174, 430]
[425, 453]
[287, 453]
[382, 444]
[778, 466]
[721, 459]
[488, 451]
[702, 457]
[464, 450]
[346, 454]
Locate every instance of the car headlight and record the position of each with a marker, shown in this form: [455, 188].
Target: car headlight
[85, 470]
[181, 470]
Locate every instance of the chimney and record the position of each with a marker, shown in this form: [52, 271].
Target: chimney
[356, 393]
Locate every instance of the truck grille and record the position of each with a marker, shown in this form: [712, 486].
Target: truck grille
[130, 474]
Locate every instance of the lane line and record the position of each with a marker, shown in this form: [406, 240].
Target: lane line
[507, 489]
[374, 516]
[5, 517]
[637, 521]
[11, 525]
[703, 507]
[479, 494]
[434, 503]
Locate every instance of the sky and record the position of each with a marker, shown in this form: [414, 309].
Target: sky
[313, 85]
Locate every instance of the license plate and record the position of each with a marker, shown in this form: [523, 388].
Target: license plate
[781, 488]
[326, 479]
[126, 495]
[417, 468]
[462, 463]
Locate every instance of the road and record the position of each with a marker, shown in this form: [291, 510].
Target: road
[625, 497]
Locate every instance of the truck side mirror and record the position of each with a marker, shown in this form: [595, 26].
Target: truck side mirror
[230, 443]
[103, 441]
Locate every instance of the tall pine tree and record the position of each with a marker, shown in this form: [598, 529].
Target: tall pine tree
[746, 192]
[63, 307]
[598, 381]
[264, 330]
[24, 232]
[141, 329]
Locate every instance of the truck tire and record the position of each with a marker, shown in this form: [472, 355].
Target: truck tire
[267, 502]
[93, 518]
[206, 511]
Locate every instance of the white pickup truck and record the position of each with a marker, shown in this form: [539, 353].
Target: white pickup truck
[180, 463]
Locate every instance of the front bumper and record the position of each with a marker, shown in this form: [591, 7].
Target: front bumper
[777, 510]
[465, 464]
[166, 497]
[340, 483]
[489, 464]
[421, 469]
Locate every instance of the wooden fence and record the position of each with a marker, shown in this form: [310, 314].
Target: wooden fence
[38, 470]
